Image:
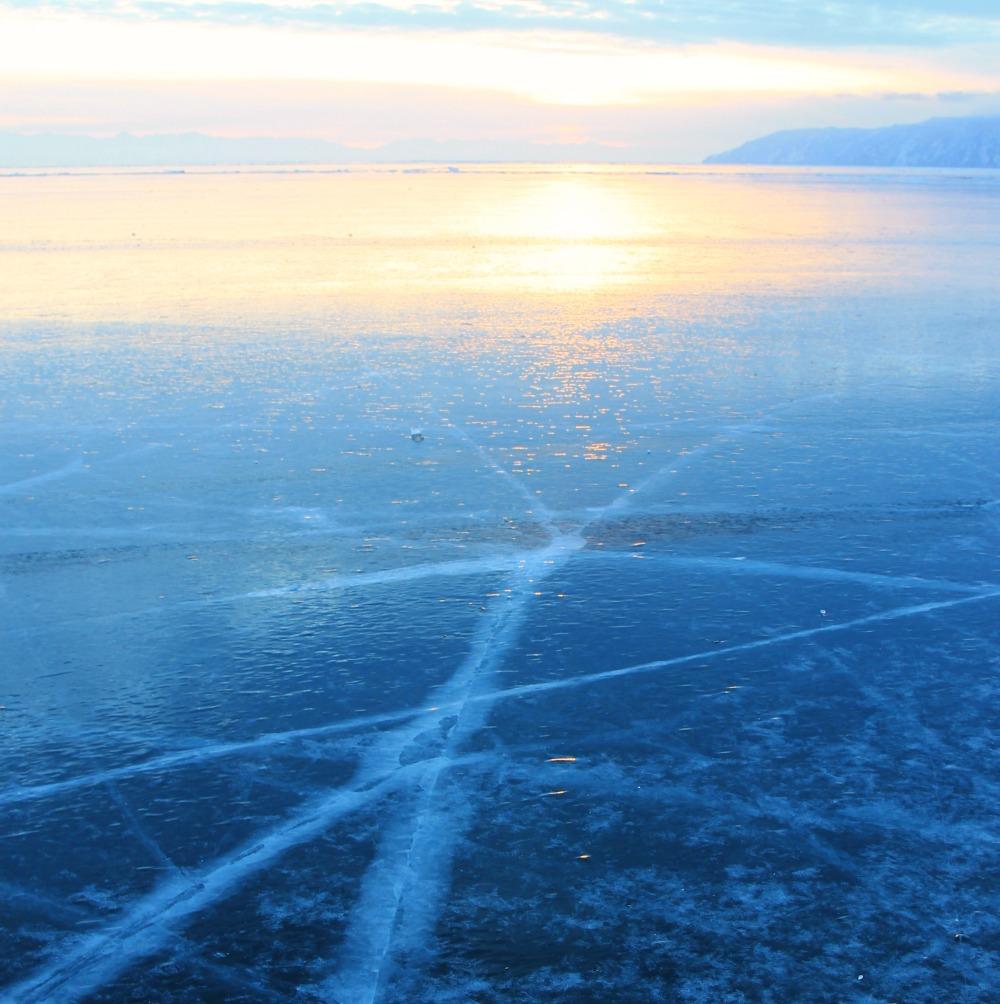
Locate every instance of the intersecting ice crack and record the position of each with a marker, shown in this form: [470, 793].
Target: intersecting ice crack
[87, 964]
[420, 874]
[203, 754]
[417, 847]
[417, 850]
[145, 926]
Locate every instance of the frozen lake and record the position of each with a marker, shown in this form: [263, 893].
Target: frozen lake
[499, 585]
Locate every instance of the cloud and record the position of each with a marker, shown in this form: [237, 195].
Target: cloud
[660, 81]
[557, 68]
[929, 23]
[961, 96]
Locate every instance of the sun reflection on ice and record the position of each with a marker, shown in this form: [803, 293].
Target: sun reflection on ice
[572, 232]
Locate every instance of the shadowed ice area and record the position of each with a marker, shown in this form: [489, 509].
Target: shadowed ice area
[660, 666]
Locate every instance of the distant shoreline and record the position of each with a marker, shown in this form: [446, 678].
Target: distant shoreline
[744, 171]
[967, 143]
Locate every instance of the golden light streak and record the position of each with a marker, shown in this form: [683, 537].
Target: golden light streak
[183, 247]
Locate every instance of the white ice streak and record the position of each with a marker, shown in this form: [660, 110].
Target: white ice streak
[458, 568]
[14, 487]
[896, 613]
[538, 507]
[202, 754]
[403, 884]
[818, 573]
[387, 576]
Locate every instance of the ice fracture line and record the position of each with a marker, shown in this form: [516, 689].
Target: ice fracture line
[148, 924]
[82, 968]
[397, 881]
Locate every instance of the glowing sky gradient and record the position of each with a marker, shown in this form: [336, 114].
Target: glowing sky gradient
[666, 81]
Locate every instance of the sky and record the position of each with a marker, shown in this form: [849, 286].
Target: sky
[640, 81]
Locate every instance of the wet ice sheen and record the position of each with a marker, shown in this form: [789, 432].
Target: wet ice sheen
[659, 667]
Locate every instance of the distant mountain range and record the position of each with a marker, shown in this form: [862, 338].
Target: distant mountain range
[942, 142]
[55, 150]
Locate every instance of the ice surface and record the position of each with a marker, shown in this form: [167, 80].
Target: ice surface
[661, 668]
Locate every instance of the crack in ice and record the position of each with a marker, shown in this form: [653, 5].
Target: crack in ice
[201, 754]
[896, 613]
[370, 941]
[144, 927]
[92, 962]
[139, 832]
[818, 573]
[537, 506]
[334, 583]
[417, 845]
[385, 911]
[67, 470]
[75, 466]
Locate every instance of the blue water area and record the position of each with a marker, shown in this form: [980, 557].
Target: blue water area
[493, 655]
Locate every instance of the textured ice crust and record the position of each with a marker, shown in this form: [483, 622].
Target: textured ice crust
[662, 668]
[393, 932]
